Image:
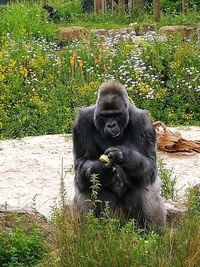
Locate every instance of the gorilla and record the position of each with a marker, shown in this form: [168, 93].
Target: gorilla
[118, 129]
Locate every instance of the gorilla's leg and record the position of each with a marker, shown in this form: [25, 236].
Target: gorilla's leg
[146, 206]
[104, 195]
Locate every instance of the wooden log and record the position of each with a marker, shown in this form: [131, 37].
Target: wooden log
[172, 141]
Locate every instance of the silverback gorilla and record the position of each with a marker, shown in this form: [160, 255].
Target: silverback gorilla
[124, 133]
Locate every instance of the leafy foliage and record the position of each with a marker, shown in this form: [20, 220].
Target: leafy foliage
[43, 84]
[168, 182]
[21, 244]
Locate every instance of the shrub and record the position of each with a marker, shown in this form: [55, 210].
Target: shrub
[21, 244]
[42, 84]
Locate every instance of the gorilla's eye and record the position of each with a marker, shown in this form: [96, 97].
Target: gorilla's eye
[106, 114]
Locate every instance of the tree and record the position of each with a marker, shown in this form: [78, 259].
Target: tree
[156, 10]
[185, 7]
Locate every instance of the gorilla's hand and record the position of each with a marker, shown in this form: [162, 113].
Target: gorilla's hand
[98, 168]
[115, 155]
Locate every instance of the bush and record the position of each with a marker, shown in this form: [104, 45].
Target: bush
[103, 242]
[21, 244]
[43, 84]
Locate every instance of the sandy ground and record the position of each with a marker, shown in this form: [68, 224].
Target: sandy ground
[30, 169]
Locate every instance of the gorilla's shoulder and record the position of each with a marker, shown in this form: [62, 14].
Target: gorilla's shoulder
[85, 117]
[140, 117]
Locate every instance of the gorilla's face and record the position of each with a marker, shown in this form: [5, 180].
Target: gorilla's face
[111, 114]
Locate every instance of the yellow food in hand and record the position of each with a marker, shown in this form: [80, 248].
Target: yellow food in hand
[104, 159]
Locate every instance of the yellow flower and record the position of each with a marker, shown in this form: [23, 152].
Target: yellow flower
[58, 61]
[144, 88]
[2, 77]
[170, 114]
[129, 47]
[175, 65]
[51, 77]
[22, 31]
[12, 64]
[37, 101]
[24, 72]
[160, 93]
[1, 54]
[188, 116]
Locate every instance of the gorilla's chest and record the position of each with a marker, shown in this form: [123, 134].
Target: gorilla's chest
[104, 143]
[118, 186]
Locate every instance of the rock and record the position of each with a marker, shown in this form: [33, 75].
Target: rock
[99, 32]
[113, 32]
[31, 214]
[184, 31]
[72, 33]
[144, 28]
[175, 211]
[196, 36]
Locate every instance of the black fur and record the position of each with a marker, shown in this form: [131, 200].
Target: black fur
[52, 13]
[123, 132]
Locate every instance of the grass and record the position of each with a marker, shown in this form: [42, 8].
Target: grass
[33, 18]
[104, 242]
[95, 243]
[21, 241]
[71, 241]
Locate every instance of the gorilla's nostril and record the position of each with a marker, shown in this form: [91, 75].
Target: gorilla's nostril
[111, 125]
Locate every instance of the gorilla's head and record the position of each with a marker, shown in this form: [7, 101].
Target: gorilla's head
[111, 113]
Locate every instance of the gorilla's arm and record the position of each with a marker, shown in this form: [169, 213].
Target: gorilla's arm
[86, 154]
[138, 157]
[139, 168]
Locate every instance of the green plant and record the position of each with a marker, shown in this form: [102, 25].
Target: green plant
[168, 183]
[193, 201]
[105, 242]
[21, 244]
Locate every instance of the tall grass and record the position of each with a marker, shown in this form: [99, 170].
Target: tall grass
[105, 242]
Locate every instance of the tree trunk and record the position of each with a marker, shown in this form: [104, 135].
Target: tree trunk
[185, 7]
[135, 4]
[156, 10]
[98, 5]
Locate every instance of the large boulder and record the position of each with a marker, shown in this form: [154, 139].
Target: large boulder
[184, 31]
[144, 28]
[113, 32]
[72, 33]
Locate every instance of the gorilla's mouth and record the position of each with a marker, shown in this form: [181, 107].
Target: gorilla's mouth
[112, 132]
[116, 135]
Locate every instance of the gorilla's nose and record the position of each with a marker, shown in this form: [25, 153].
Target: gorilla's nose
[112, 124]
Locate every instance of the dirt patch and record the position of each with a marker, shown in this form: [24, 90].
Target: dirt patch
[30, 169]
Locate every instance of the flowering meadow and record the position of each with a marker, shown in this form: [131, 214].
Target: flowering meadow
[43, 83]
